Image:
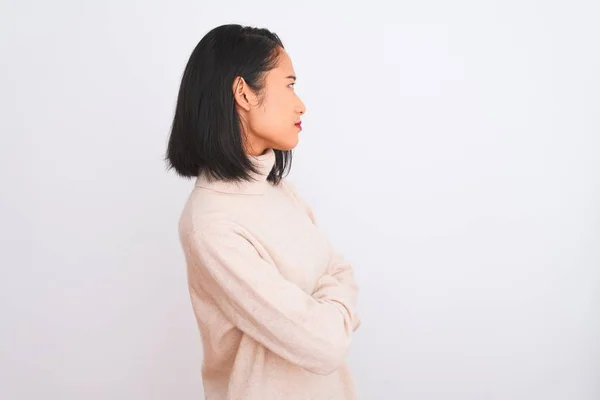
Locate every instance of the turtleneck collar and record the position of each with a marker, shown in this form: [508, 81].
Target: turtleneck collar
[264, 164]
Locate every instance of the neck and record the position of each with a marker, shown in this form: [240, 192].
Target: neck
[264, 165]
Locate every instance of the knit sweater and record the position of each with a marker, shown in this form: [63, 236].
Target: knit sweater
[274, 301]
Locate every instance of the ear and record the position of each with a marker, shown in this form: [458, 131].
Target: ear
[242, 94]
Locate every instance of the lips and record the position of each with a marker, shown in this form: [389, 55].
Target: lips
[298, 124]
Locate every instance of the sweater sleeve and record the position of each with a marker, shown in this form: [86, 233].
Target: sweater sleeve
[338, 283]
[313, 332]
[338, 279]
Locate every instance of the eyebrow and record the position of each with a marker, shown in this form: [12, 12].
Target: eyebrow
[291, 77]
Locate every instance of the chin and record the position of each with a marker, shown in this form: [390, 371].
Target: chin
[287, 145]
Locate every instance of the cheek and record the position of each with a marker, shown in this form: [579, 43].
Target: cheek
[273, 119]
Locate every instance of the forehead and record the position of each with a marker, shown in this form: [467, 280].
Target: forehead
[284, 66]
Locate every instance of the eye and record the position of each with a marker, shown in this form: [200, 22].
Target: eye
[291, 85]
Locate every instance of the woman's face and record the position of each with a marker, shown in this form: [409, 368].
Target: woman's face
[270, 121]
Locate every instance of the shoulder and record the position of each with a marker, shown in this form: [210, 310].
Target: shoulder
[201, 220]
[212, 230]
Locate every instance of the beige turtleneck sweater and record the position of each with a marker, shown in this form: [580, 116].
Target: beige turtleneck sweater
[274, 301]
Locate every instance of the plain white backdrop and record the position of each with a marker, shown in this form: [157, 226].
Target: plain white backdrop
[451, 150]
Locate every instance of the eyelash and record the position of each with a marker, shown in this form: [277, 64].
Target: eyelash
[291, 84]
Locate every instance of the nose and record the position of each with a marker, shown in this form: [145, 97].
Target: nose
[301, 108]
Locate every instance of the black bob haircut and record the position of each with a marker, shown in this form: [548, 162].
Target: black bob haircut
[206, 135]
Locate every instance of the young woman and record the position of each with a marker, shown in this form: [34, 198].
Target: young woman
[274, 301]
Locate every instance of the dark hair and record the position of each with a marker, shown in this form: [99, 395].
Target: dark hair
[206, 135]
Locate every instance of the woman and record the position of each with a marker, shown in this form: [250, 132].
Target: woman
[275, 303]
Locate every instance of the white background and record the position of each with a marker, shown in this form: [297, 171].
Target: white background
[450, 150]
